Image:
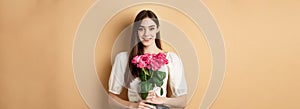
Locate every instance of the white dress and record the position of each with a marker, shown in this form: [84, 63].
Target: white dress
[174, 70]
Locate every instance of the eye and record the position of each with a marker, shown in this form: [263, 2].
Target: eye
[140, 29]
[152, 29]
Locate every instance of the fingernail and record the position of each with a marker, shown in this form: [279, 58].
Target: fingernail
[153, 107]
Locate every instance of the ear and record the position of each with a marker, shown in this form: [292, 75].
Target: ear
[157, 29]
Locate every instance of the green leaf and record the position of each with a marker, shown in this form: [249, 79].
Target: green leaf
[158, 82]
[161, 91]
[151, 73]
[161, 75]
[144, 95]
[146, 86]
[144, 76]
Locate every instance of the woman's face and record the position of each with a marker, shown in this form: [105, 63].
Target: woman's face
[147, 31]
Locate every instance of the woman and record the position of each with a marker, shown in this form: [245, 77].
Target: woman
[146, 39]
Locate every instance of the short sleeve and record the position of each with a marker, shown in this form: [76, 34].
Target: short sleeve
[116, 79]
[177, 79]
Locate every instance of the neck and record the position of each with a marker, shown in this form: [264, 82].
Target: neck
[153, 49]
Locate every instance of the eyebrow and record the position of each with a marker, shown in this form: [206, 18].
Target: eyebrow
[148, 26]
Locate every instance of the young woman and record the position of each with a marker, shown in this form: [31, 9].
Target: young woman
[146, 39]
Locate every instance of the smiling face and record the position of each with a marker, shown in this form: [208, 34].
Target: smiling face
[147, 32]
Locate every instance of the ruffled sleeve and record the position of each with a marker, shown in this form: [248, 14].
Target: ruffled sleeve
[116, 79]
[176, 72]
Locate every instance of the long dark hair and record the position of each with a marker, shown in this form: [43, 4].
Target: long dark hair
[137, 48]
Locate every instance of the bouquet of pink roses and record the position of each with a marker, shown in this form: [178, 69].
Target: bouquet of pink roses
[149, 75]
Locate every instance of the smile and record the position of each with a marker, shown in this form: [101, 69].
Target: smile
[147, 39]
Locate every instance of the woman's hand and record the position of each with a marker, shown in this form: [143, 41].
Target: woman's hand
[155, 99]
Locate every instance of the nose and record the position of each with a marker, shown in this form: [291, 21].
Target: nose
[146, 33]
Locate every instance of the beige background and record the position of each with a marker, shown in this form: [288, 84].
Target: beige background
[261, 37]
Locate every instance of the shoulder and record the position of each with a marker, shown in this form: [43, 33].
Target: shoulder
[172, 55]
[122, 55]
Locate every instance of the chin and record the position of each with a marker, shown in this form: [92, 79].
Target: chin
[147, 43]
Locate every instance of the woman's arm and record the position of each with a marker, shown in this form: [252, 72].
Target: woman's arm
[117, 101]
[176, 102]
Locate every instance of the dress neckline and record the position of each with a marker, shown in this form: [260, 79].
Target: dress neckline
[165, 52]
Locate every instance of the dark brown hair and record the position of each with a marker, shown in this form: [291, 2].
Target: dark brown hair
[137, 48]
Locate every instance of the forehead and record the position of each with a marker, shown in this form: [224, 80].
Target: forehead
[147, 22]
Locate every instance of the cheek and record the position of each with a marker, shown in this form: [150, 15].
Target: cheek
[153, 34]
[140, 34]
[140, 37]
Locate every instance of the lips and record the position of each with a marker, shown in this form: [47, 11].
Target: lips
[147, 39]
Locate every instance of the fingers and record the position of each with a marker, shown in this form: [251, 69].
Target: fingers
[157, 100]
[143, 105]
[151, 101]
[151, 94]
[149, 97]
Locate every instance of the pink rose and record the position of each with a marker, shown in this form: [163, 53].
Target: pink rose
[135, 59]
[150, 61]
[141, 65]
